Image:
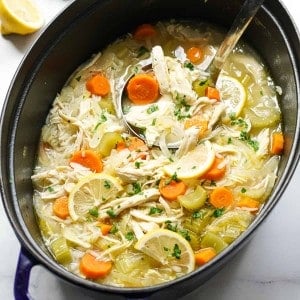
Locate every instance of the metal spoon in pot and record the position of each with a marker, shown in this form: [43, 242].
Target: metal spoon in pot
[239, 25]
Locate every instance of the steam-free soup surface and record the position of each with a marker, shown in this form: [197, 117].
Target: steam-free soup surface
[128, 212]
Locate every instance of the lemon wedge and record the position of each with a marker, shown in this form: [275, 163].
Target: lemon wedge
[194, 164]
[169, 249]
[90, 192]
[20, 16]
[233, 94]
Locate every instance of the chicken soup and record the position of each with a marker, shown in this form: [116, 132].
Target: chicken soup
[131, 211]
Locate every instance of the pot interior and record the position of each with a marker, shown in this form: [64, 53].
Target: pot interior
[86, 27]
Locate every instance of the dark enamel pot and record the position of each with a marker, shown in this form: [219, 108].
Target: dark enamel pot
[84, 28]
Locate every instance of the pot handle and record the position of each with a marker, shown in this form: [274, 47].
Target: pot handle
[22, 276]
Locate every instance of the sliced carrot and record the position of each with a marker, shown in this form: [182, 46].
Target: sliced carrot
[217, 170]
[98, 85]
[221, 197]
[199, 122]
[170, 189]
[195, 55]
[121, 146]
[60, 207]
[212, 93]
[105, 228]
[143, 89]
[89, 159]
[248, 202]
[205, 255]
[143, 32]
[277, 143]
[136, 144]
[93, 268]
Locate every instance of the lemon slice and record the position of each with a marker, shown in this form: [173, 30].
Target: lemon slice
[233, 94]
[19, 16]
[194, 164]
[169, 248]
[90, 191]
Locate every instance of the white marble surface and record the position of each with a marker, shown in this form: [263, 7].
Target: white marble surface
[267, 268]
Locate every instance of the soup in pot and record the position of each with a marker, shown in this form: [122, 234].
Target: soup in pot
[135, 211]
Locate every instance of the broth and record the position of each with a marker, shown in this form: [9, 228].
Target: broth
[123, 212]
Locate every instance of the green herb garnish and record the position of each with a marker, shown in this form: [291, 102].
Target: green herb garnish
[218, 212]
[155, 210]
[94, 212]
[111, 213]
[176, 252]
[129, 236]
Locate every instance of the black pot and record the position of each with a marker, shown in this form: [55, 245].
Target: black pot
[84, 28]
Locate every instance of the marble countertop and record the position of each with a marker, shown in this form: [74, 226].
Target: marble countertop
[267, 268]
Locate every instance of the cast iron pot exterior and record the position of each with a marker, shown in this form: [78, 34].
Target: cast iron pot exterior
[83, 29]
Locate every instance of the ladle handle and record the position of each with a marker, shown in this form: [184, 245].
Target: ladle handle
[239, 25]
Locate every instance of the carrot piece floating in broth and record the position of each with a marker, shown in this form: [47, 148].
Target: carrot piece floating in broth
[221, 197]
[89, 159]
[143, 89]
[136, 144]
[212, 93]
[199, 122]
[205, 255]
[98, 85]
[143, 32]
[93, 268]
[105, 228]
[60, 207]
[195, 55]
[217, 170]
[277, 143]
[248, 203]
[170, 189]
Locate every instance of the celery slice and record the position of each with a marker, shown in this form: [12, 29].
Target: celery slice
[212, 240]
[194, 200]
[61, 250]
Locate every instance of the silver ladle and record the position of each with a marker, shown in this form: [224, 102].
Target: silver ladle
[239, 25]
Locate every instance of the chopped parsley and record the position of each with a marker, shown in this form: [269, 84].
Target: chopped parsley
[155, 210]
[239, 122]
[94, 212]
[154, 122]
[102, 119]
[243, 190]
[189, 65]
[245, 136]
[78, 78]
[198, 215]
[176, 252]
[111, 213]
[141, 51]
[229, 141]
[114, 229]
[185, 234]
[138, 164]
[136, 188]
[151, 109]
[107, 184]
[203, 82]
[218, 212]
[170, 226]
[129, 236]
[50, 189]
[181, 108]
[173, 178]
